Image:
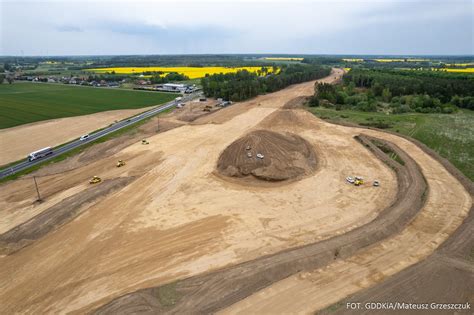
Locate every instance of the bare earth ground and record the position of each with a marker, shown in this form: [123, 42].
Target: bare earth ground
[209, 292]
[448, 203]
[18, 142]
[178, 218]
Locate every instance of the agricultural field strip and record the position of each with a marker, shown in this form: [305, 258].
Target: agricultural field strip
[191, 72]
[30, 102]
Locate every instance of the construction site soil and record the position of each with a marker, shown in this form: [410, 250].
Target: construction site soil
[269, 156]
[211, 292]
[55, 216]
[168, 233]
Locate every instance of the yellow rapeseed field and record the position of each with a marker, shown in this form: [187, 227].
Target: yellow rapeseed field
[191, 72]
[465, 70]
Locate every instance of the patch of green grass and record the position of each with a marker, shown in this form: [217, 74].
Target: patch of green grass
[167, 295]
[22, 103]
[450, 135]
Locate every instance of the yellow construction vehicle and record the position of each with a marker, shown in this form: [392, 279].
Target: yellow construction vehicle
[95, 180]
[120, 163]
[358, 181]
[144, 141]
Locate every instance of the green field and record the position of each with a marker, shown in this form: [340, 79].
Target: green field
[451, 135]
[22, 103]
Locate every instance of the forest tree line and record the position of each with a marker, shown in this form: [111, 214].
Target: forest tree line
[398, 91]
[243, 85]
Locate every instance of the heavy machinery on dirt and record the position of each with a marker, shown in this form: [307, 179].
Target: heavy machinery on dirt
[120, 163]
[95, 180]
[145, 141]
[358, 181]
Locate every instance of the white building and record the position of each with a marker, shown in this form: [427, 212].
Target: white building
[174, 87]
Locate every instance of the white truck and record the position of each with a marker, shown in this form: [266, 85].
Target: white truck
[40, 153]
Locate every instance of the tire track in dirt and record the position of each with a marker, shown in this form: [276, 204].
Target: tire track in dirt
[451, 263]
[52, 218]
[214, 291]
[440, 220]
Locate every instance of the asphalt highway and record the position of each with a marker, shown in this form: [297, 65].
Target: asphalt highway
[24, 164]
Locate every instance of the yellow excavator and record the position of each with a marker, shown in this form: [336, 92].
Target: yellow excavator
[120, 163]
[95, 180]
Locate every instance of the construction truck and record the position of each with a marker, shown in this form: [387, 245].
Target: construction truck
[120, 163]
[145, 141]
[95, 180]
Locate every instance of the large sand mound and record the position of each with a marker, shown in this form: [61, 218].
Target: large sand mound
[286, 156]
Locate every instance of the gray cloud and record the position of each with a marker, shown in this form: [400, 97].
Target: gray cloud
[68, 28]
[236, 26]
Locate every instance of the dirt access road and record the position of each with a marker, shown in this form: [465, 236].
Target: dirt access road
[178, 218]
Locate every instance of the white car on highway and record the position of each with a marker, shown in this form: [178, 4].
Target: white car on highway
[84, 137]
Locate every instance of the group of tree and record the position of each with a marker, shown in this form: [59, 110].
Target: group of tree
[7, 78]
[173, 60]
[397, 92]
[436, 84]
[105, 77]
[243, 85]
[170, 77]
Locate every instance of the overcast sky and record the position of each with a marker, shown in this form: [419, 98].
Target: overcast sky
[104, 27]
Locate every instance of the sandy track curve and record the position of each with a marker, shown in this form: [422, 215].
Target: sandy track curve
[448, 203]
[207, 293]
